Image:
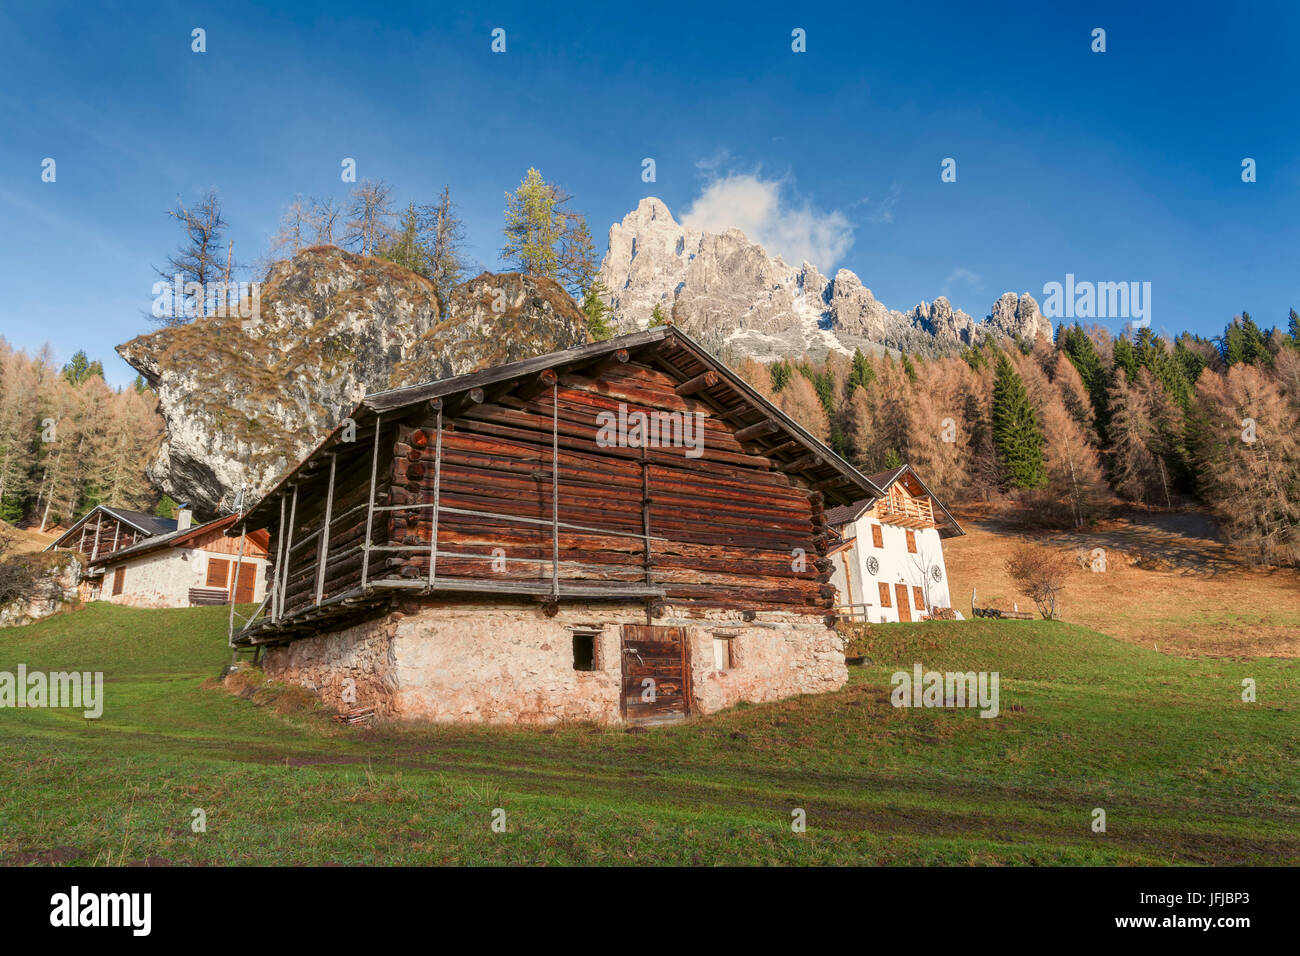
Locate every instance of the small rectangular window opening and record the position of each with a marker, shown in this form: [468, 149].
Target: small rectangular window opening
[584, 651]
[722, 655]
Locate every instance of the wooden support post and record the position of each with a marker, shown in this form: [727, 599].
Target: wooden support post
[324, 552]
[437, 500]
[117, 530]
[234, 585]
[280, 558]
[555, 489]
[288, 547]
[370, 507]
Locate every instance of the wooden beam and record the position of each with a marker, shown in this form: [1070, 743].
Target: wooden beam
[804, 463]
[543, 380]
[698, 383]
[757, 430]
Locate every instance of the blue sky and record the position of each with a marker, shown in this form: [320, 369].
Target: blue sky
[1118, 166]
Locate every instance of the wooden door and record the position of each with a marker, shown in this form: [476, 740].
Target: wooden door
[245, 583]
[900, 599]
[656, 674]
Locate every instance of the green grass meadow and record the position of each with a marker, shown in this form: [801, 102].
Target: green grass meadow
[1186, 772]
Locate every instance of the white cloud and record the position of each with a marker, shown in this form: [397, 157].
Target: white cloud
[962, 274]
[781, 224]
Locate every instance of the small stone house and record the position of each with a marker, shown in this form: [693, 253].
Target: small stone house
[189, 566]
[620, 532]
[888, 561]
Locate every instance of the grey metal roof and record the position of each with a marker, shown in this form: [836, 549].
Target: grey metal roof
[149, 524]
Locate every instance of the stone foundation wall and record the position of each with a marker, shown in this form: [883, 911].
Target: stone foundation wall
[509, 663]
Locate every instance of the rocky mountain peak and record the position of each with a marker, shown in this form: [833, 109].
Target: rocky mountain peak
[729, 293]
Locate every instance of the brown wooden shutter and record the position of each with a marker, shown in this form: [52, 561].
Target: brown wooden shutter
[911, 542]
[918, 598]
[244, 582]
[119, 580]
[877, 536]
[884, 595]
[218, 572]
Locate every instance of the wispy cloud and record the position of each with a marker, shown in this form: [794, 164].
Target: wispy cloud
[965, 276]
[770, 213]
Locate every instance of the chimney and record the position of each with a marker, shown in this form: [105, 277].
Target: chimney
[184, 517]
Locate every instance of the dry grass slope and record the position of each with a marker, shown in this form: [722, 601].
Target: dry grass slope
[1170, 583]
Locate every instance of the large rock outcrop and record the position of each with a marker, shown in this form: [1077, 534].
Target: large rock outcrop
[243, 400]
[730, 294]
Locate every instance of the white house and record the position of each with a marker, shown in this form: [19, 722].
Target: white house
[888, 565]
[195, 564]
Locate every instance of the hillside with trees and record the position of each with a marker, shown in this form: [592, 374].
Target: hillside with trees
[1064, 432]
[69, 442]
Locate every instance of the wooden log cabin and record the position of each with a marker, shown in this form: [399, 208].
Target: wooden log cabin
[624, 531]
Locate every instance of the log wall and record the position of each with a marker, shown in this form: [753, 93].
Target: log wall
[726, 528]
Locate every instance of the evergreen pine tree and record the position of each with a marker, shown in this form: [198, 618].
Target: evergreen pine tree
[1016, 433]
[780, 372]
[657, 317]
[81, 368]
[862, 373]
[597, 312]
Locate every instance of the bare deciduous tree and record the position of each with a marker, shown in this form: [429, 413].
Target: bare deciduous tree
[1040, 575]
[200, 258]
[370, 216]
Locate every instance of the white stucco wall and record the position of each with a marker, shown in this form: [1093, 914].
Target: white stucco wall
[164, 578]
[896, 565]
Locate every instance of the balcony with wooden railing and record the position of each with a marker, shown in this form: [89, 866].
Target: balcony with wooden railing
[903, 510]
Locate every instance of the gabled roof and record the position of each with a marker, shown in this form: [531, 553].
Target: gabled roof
[174, 539]
[147, 524]
[842, 515]
[665, 347]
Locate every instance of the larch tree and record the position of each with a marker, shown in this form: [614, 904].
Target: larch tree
[370, 217]
[533, 227]
[1134, 467]
[799, 400]
[443, 245]
[326, 221]
[202, 258]
[1250, 463]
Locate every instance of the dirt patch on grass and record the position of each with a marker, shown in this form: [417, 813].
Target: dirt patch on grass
[54, 856]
